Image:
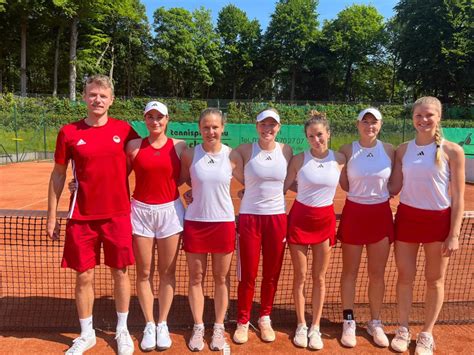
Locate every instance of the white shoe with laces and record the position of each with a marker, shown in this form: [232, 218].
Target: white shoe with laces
[81, 344]
[424, 344]
[301, 336]
[348, 338]
[124, 342]
[375, 329]
[163, 339]
[218, 341]
[401, 340]
[315, 341]
[149, 337]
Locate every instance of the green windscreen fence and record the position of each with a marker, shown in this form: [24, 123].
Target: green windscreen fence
[463, 137]
[238, 133]
[234, 134]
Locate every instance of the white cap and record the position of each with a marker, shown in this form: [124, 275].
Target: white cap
[371, 110]
[268, 113]
[156, 105]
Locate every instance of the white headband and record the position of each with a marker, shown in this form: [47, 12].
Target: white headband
[268, 113]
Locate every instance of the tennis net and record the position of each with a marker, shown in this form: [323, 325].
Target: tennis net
[35, 293]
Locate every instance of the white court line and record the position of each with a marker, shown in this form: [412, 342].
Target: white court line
[34, 203]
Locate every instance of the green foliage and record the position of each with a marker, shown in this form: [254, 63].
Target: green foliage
[240, 42]
[435, 43]
[354, 37]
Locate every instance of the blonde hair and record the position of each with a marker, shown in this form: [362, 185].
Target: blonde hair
[438, 136]
[101, 80]
[316, 117]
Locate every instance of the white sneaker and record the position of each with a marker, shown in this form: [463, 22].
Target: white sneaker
[315, 341]
[424, 344]
[163, 340]
[348, 337]
[401, 341]
[375, 329]
[149, 337]
[196, 342]
[301, 336]
[81, 344]
[266, 331]
[218, 341]
[124, 342]
[241, 334]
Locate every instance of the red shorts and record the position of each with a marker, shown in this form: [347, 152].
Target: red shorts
[84, 238]
[311, 225]
[415, 225]
[365, 224]
[209, 237]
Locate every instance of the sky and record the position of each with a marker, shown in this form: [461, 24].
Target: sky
[262, 9]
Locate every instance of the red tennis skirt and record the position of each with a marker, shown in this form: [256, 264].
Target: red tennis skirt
[415, 225]
[311, 225]
[365, 224]
[209, 237]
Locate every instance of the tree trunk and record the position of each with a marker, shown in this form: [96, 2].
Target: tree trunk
[293, 82]
[111, 72]
[23, 55]
[1, 81]
[234, 90]
[56, 63]
[347, 81]
[73, 59]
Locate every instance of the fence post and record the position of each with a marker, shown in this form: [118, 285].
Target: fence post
[44, 134]
[16, 132]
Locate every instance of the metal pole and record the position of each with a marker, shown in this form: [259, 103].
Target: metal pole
[16, 132]
[44, 135]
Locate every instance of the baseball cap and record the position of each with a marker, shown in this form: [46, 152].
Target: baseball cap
[156, 105]
[268, 113]
[371, 110]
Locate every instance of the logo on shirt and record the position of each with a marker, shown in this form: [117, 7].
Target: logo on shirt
[81, 142]
[116, 139]
[370, 155]
[269, 158]
[156, 153]
[320, 166]
[211, 161]
[420, 153]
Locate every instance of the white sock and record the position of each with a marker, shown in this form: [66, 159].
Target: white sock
[86, 326]
[161, 323]
[217, 325]
[200, 325]
[122, 320]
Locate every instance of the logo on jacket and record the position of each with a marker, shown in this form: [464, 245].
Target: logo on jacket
[211, 161]
[320, 166]
[269, 158]
[420, 153]
[81, 142]
[116, 139]
[370, 155]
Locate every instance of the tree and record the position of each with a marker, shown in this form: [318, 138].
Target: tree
[354, 37]
[25, 10]
[174, 49]
[208, 60]
[435, 46]
[240, 43]
[291, 32]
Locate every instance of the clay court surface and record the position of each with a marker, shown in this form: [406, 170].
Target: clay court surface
[24, 186]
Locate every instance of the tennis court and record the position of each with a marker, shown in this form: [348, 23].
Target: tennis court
[36, 295]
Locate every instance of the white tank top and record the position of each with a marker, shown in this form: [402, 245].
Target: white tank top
[425, 184]
[264, 176]
[318, 180]
[368, 171]
[210, 180]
